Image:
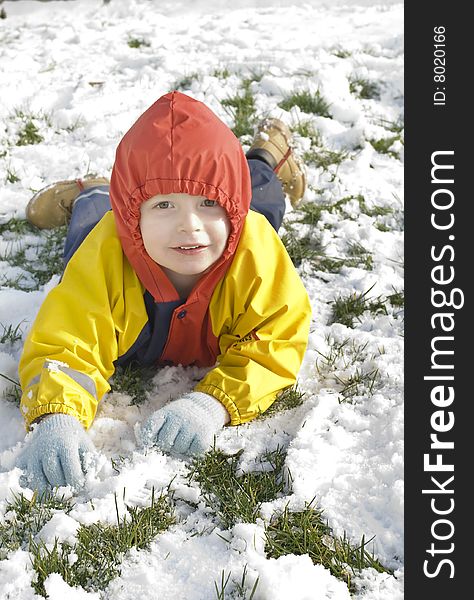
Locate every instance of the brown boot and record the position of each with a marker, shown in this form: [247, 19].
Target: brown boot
[51, 207]
[273, 144]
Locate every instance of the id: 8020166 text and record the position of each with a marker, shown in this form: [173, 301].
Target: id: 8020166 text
[439, 66]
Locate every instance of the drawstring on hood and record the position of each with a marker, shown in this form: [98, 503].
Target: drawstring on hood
[178, 145]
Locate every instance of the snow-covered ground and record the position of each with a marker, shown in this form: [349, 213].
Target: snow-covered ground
[69, 66]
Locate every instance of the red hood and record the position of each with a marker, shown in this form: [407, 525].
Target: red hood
[177, 146]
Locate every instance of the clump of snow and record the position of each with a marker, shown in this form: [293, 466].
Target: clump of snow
[279, 576]
[57, 589]
[60, 527]
[16, 574]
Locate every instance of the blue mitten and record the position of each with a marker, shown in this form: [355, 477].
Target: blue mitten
[55, 453]
[186, 425]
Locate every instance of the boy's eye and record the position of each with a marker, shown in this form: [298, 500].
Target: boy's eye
[210, 203]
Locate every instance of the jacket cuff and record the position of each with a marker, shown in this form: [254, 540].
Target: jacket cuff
[218, 394]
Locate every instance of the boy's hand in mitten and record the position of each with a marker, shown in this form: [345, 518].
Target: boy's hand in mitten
[186, 425]
[55, 454]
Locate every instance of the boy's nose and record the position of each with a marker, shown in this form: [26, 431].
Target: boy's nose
[190, 221]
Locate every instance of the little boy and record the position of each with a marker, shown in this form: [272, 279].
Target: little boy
[179, 272]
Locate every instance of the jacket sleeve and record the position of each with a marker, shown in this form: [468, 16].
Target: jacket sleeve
[70, 350]
[262, 312]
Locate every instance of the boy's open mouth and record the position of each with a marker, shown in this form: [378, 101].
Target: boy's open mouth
[189, 249]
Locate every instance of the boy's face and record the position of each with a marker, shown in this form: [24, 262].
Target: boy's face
[182, 233]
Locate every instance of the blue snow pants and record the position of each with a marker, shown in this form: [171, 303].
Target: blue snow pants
[92, 204]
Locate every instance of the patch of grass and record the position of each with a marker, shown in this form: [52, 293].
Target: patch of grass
[343, 357]
[383, 145]
[29, 134]
[19, 282]
[363, 256]
[47, 262]
[100, 548]
[311, 212]
[300, 248]
[358, 383]
[393, 126]
[346, 309]
[133, 380]
[239, 589]
[237, 498]
[255, 74]
[220, 590]
[11, 177]
[306, 129]
[20, 226]
[307, 248]
[242, 108]
[221, 73]
[306, 532]
[25, 518]
[77, 124]
[13, 393]
[397, 299]
[323, 158]
[185, 82]
[308, 102]
[25, 115]
[364, 88]
[288, 399]
[317, 155]
[333, 264]
[341, 53]
[137, 42]
[10, 334]
[376, 211]
[340, 355]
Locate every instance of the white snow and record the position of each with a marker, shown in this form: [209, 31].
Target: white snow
[58, 589]
[69, 66]
[60, 527]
